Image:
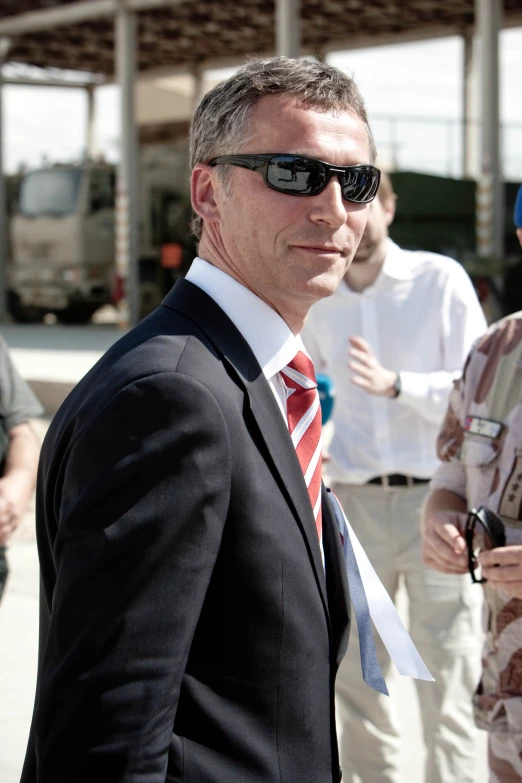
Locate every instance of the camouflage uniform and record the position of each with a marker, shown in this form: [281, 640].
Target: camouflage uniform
[487, 469]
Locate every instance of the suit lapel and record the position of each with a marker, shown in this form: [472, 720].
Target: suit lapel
[202, 310]
[279, 443]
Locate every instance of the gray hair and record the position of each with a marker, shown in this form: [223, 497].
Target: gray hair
[221, 122]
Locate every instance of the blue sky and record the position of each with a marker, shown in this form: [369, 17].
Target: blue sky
[418, 84]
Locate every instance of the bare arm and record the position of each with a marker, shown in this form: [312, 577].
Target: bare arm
[424, 392]
[18, 482]
[427, 393]
[443, 520]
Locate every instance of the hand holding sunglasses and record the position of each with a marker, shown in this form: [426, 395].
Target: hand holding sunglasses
[491, 526]
[296, 175]
[503, 569]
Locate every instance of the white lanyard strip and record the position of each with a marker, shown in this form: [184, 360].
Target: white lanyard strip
[386, 619]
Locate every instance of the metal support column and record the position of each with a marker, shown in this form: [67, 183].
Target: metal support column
[91, 122]
[199, 86]
[4, 223]
[468, 126]
[287, 21]
[490, 201]
[127, 205]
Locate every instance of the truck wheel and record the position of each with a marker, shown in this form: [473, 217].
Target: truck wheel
[80, 313]
[23, 314]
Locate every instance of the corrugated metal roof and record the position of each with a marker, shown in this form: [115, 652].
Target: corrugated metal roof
[202, 30]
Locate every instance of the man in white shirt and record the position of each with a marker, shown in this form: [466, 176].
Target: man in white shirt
[393, 337]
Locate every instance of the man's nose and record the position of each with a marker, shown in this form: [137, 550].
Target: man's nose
[329, 206]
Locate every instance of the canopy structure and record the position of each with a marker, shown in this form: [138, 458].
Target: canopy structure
[124, 39]
[183, 33]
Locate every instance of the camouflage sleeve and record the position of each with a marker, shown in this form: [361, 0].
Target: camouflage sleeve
[451, 433]
[450, 473]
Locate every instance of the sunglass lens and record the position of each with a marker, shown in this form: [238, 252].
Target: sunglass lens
[360, 185]
[295, 175]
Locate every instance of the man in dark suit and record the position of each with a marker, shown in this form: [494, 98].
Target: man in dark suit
[194, 595]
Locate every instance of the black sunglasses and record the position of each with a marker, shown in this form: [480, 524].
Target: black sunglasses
[299, 176]
[492, 525]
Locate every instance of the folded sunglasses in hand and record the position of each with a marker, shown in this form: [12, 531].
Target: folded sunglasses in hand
[492, 526]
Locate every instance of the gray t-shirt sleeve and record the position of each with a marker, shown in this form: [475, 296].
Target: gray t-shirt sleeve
[17, 402]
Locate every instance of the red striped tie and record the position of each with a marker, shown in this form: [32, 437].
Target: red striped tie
[304, 422]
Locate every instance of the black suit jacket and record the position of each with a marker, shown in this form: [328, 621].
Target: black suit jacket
[189, 630]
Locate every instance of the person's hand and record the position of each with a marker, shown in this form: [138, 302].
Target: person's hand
[11, 508]
[370, 375]
[443, 545]
[502, 567]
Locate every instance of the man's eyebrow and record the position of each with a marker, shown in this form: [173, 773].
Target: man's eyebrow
[314, 157]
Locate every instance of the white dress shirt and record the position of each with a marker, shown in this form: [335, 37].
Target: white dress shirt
[272, 341]
[421, 317]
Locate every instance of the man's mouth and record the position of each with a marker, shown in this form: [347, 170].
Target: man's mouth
[321, 249]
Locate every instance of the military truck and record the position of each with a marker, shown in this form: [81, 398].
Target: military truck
[62, 235]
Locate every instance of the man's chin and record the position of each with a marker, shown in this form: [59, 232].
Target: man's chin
[324, 285]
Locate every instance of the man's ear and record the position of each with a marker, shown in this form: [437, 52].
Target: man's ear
[519, 235]
[202, 192]
[388, 206]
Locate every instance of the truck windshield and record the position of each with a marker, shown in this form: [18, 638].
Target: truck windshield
[50, 192]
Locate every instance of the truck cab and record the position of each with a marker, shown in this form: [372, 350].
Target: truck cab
[63, 234]
[62, 243]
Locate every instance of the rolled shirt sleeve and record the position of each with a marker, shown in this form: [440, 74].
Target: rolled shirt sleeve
[463, 322]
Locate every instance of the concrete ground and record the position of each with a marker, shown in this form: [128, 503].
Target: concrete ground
[53, 357]
[56, 357]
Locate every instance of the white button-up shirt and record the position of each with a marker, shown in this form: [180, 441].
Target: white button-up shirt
[421, 317]
[272, 341]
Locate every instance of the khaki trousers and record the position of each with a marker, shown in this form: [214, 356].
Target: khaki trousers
[445, 625]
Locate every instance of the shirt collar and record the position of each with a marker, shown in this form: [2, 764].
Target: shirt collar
[396, 263]
[272, 341]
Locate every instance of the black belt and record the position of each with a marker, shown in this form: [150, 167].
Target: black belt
[397, 480]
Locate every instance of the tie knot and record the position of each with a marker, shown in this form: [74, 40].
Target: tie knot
[301, 371]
